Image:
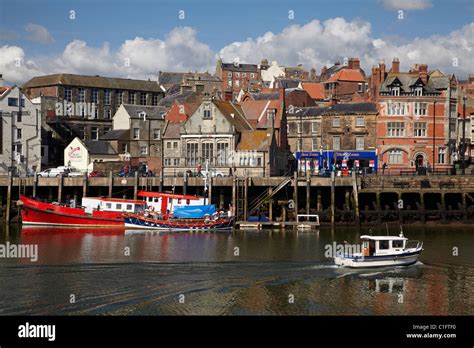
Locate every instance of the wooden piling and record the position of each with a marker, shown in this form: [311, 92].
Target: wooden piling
[355, 194]
[161, 181]
[35, 184]
[308, 193]
[295, 193]
[221, 198]
[464, 207]
[185, 183]
[246, 196]
[84, 185]
[378, 206]
[319, 206]
[443, 207]
[111, 183]
[60, 188]
[270, 205]
[333, 199]
[234, 194]
[422, 207]
[9, 198]
[135, 186]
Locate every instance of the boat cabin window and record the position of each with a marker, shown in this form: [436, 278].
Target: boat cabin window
[108, 205]
[188, 201]
[156, 200]
[397, 243]
[118, 206]
[129, 207]
[383, 244]
[179, 201]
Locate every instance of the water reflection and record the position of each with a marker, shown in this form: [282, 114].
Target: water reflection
[268, 268]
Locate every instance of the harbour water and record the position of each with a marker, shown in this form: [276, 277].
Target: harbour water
[117, 272]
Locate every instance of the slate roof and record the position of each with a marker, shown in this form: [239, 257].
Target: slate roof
[114, 134]
[152, 112]
[186, 96]
[176, 78]
[265, 96]
[93, 82]
[338, 109]
[434, 84]
[240, 67]
[99, 147]
[351, 109]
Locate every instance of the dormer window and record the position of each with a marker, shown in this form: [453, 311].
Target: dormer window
[419, 90]
[395, 91]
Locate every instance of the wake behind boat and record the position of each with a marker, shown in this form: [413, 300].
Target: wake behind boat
[382, 251]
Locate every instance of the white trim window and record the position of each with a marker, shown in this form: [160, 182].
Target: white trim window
[157, 134]
[144, 150]
[336, 143]
[419, 109]
[395, 129]
[419, 129]
[395, 157]
[107, 97]
[442, 155]
[136, 133]
[360, 143]
[396, 109]
[314, 145]
[336, 122]
[360, 121]
[314, 127]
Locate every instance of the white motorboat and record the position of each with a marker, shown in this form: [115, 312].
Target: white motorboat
[382, 251]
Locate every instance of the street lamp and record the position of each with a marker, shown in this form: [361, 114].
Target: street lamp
[463, 149]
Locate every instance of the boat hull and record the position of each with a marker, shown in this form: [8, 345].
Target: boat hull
[405, 259]
[45, 214]
[176, 226]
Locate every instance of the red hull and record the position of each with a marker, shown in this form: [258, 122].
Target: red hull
[34, 212]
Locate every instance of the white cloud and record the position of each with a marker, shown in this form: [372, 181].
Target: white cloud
[407, 4]
[39, 34]
[14, 66]
[316, 44]
[313, 44]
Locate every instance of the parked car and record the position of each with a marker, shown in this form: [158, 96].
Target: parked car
[96, 174]
[212, 174]
[52, 173]
[74, 173]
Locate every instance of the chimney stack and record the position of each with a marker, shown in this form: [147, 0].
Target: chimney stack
[382, 70]
[354, 63]
[395, 65]
[423, 73]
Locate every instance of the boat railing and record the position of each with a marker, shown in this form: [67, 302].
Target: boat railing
[414, 244]
[301, 218]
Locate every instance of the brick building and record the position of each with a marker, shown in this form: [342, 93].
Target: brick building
[236, 76]
[417, 124]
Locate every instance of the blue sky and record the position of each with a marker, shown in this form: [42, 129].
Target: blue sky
[216, 23]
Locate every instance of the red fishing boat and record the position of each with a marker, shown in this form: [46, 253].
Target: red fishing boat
[94, 212]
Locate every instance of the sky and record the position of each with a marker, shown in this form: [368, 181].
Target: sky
[137, 39]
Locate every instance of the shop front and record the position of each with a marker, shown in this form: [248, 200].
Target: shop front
[322, 162]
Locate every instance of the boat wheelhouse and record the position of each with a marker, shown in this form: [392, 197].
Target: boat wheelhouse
[166, 202]
[381, 251]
